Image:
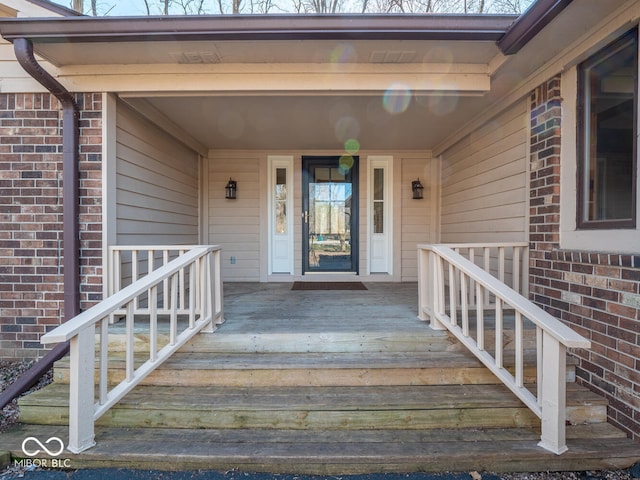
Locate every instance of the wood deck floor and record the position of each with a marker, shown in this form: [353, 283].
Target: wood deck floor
[325, 382]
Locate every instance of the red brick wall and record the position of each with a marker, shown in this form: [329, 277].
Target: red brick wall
[31, 291]
[597, 293]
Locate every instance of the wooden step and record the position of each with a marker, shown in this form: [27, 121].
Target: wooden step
[300, 342]
[381, 407]
[314, 369]
[331, 452]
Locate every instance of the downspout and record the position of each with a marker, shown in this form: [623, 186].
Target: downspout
[70, 140]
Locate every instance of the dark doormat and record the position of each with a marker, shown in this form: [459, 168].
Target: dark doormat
[328, 286]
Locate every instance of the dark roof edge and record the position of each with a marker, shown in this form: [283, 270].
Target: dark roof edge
[254, 27]
[537, 17]
[55, 8]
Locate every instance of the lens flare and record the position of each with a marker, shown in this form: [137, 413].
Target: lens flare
[343, 53]
[397, 98]
[345, 164]
[352, 146]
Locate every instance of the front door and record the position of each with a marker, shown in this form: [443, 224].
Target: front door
[330, 214]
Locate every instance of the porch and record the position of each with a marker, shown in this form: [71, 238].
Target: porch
[325, 382]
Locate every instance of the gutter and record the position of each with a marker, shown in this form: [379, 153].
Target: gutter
[70, 140]
[536, 18]
[257, 27]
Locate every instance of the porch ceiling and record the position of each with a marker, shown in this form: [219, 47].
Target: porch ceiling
[316, 122]
[326, 107]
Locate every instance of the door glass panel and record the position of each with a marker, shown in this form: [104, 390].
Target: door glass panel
[281, 201]
[378, 200]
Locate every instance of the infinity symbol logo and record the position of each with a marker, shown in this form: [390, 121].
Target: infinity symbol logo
[39, 443]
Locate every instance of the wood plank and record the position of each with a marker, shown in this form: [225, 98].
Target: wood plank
[480, 406]
[312, 369]
[341, 452]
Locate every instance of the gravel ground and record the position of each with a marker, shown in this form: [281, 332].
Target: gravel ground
[9, 371]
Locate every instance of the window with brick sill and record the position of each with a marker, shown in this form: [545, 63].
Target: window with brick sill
[607, 136]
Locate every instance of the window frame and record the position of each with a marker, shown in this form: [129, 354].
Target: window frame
[583, 142]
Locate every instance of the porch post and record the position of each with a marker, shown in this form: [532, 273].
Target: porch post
[436, 289]
[554, 395]
[81, 390]
[424, 294]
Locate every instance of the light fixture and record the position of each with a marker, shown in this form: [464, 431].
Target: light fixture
[417, 188]
[231, 189]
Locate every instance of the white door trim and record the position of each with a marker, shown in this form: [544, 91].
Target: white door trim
[280, 244]
[380, 250]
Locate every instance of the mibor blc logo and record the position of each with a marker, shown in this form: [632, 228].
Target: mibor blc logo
[31, 450]
[53, 446]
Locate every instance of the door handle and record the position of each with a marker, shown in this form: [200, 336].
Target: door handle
[305, 215]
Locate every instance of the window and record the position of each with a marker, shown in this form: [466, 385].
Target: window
[280, 200]
[378, 200]
[607, 136]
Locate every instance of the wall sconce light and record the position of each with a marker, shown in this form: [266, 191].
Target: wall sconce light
[231, 189]
[417, 188]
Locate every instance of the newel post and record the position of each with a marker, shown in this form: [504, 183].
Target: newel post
[554, 395]
[81, 390]
[436, 289]
[424, 293]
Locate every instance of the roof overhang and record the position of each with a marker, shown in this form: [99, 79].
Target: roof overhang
[262, 27]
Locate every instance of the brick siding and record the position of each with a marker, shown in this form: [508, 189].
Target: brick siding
[31, 289]
[596, 293]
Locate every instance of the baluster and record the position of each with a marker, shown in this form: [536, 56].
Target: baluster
[104, 361]
[129, 358]
[539, 367]
[519, 351]
[192, 295]
[134, 275]
[525, 272]
[116, 275]
[173, 329]
[453, 295]
[499, 330]
[204, 297]
[464, 295]
[487, 268]
[198, 289]
[182, 283]
[501, 264]
[471, 297]
[150, 269]
[216, 275]
[480, 319]
[516, 269]
[153, 327]
[165, 283]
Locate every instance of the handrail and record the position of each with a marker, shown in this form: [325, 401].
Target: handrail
[188, 286]
[436, 283]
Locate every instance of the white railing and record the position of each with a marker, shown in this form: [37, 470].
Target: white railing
[450, 289]
[187, 290]
[127, 264]
[508, 262]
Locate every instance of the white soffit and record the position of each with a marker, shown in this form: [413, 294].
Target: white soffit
[273, 51]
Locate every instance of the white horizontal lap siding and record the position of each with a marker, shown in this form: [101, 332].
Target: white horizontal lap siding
[484, 182]
[416, 216]
[156, 185]
[235, 224]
